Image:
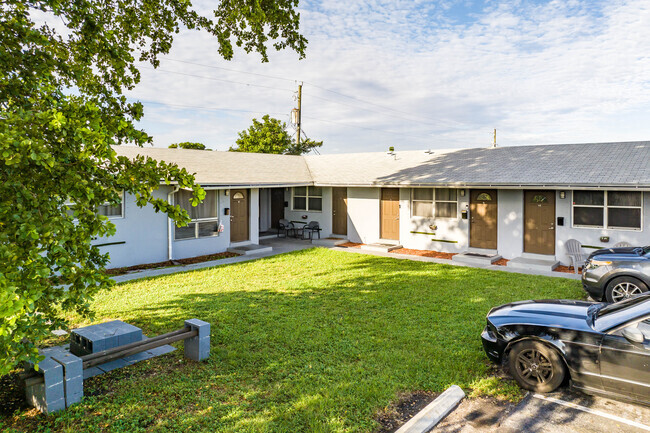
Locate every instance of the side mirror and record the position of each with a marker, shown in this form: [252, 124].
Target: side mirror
[633, 335]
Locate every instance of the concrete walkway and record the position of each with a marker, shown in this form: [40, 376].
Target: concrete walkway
[452, 263]
[281, 246]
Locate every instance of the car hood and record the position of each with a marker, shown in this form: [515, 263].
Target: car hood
[628, 253]
[556, 313]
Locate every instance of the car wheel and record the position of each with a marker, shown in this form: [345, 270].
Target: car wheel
[536, 367]
[623, 288]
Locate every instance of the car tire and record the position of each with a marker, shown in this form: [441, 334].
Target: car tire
[536, 366]
[621, 288]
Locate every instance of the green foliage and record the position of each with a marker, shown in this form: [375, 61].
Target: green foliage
[312, 341]
[188, 145]
[271, 136]
[62, 109]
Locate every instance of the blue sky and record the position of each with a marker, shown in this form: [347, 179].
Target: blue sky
[421, 75]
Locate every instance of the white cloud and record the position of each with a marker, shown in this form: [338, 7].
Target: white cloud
[558, 71]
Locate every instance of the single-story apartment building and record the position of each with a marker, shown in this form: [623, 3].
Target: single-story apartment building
[517, 201]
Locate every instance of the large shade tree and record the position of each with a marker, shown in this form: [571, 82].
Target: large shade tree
[271, 136]
[62, 108]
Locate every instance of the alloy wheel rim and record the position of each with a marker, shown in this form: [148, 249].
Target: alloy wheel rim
[624, 291]
[533, 367]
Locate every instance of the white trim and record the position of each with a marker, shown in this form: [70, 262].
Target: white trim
[605, 206]
[198, 221]
[306, 197]
[433, 202]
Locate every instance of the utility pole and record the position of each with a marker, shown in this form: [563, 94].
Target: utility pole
[299, 113]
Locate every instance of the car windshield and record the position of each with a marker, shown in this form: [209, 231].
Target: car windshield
[607, 316]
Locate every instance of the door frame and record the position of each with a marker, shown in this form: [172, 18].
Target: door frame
[553, 195]
[381, 228]
[248, 214]
[496, 228]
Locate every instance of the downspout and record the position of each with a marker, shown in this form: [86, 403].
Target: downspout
[169, 224]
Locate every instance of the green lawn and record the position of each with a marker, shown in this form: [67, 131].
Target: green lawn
[314, 340]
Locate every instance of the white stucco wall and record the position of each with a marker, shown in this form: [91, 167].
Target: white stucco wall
[141, 234]
[323, 217]
[510, 229]
[363, 214]
[449, 229]
[265, 210]
[591, 236]
[186, 248]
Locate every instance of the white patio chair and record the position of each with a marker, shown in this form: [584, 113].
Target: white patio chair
[622, 244]
[574, 251]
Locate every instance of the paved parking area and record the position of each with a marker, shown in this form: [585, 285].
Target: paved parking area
[559, 412]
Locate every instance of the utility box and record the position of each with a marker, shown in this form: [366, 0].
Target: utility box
[103, 336]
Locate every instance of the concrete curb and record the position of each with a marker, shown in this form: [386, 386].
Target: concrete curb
[431, 415]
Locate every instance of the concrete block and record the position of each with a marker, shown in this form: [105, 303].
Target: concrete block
[157, 351]
[72, 377]
[91, 372]
[200, 325]
[112, 365]
[46, 393]
[197, 349]
[72, 365]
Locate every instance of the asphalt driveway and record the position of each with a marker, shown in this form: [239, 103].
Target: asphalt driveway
[559, 412]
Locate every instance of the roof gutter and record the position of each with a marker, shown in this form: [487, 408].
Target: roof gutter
[170, 246]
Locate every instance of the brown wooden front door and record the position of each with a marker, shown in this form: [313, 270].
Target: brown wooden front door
[239, 218]
[483, 218]
[539, 222]
[277, 206]
[340, 211]
[389, 214]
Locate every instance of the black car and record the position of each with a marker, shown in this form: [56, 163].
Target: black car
[615, 274]
[601, 348]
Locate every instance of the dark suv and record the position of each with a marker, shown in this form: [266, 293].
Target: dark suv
[614, 274]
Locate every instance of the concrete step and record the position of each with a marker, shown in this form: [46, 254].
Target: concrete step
[475, 258]
[328, 242]
[380, 247]
[530, 264]
[247, 250]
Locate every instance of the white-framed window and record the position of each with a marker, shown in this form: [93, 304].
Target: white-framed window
[422, 202]
[113, 211]
[434, 202]
[307, 198]
[205, 216]
[608, 209]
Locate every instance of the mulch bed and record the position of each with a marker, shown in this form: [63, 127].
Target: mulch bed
[501, 262]
[567, 269]
[350, 245]
[424, 253]
[403, 410]
[190, 261]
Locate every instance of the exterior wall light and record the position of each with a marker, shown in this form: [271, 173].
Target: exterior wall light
[562, 195]
[462, 193]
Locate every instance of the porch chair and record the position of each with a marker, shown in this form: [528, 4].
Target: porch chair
[622, 244]
[285, 226]
[574, 251]
[311, 228]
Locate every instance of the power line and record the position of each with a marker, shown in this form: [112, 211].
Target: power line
[370, 109]
[195, 107]
[221, 79]
[437, 122]
[233, 70]
[368, 129]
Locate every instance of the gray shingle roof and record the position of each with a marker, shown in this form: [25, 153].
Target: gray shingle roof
[595, 164]
[592, 164]
[230, 168]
